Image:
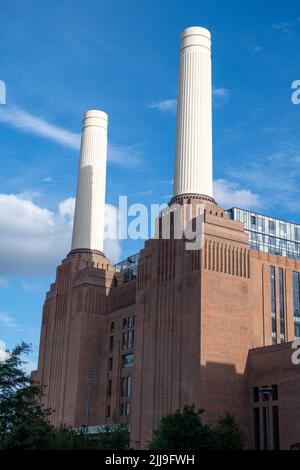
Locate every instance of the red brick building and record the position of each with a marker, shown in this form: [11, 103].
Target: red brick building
[208, 327]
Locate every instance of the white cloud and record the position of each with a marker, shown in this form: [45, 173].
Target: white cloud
[3, 283]
[31, 287]
[123, 156]
[34, 239]
[4, 355]
[7, 321]
[229, 195]
[165, 105]
[29, 366]
[285, 26]
[26, 122]
[220, 95]
[67, 208]
[257, 49]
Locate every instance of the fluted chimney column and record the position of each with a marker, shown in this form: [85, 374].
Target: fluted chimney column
[88, 228]
[193, 155]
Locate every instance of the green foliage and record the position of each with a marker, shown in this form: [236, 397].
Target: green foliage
[19, 398]
[115, 437]
[228, 434]
[183, 431]
[24, 423]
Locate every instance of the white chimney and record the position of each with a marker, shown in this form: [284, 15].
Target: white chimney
[88, 228]
[193, 155]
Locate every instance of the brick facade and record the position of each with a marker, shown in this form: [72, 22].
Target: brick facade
[199, 317]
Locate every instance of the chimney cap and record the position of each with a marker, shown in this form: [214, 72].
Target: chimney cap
[95, 117]
[195, 31]
[195, 36]
[95, 113]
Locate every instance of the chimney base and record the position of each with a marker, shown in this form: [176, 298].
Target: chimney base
[191, 198]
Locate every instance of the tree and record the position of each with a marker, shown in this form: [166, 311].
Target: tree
[19, 398]
[115, 437]
[183, 430]
[24, 423]
[228, 434]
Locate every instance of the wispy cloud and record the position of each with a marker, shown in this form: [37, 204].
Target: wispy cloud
[220, 96]
[286, 27]
[257, 49]
[169, 105]
[26, 122]
[274, 175]
[124, 156]
[7, 321]
[31, 287]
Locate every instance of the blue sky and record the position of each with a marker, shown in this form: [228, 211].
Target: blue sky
[61, 58]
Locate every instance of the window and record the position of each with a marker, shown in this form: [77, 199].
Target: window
[256, 394]
[281, 304]
[274, 392]
[265, 427]
[109, 388]
[297, 233]
[275, 419]
[108, 411]
[256, 428]
[126, 387]
[296, 295]
[124, 323]
[112, 326]
[283, 229]
[130, 339]
[131, 321]
[124, 340]
[127, 360]
[272, 227]
[261, 224]
[253, 220]
[110, 364]
[111, 343]
[273, 303]
[125, 409]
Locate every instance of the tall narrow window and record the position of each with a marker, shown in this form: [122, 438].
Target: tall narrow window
[273, 304]
[265, 427]
[256, 429]
[296, 305]
[275, 419]
[282, 306]
[128, 388]
[111, 343]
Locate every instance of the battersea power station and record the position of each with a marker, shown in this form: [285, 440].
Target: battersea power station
[215, 326]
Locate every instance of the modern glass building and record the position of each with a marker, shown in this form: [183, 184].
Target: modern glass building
[128, 267]
[269, 234]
